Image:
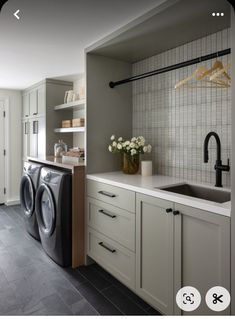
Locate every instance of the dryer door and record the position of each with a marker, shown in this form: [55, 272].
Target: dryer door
[27, 195]
[45, 210]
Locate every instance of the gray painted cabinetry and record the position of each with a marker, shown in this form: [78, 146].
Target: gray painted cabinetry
[39, 119]
[155, 252]
[173, 251]
[156, 246]
[111, 230]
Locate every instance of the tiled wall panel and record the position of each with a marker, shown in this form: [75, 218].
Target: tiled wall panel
[176, 121]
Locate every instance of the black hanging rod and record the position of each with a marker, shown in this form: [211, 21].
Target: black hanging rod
[171, 67]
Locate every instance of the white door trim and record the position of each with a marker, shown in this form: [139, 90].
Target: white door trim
[6, 119]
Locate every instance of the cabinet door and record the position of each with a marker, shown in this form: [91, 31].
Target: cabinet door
[202, 253]
[37, 137]
[33, 138]
[33, 102]
[25, 107]
[41, 136]
[41, 100]
[154, 252]
[25, 139]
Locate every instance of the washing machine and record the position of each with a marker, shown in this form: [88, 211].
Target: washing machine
[28, 188]
[54, 214]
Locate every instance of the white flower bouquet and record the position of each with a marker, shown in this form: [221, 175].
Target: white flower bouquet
[130, 149]
[133, 147]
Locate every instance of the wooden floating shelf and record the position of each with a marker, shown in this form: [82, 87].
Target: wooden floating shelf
[70, 130]
[78, 105]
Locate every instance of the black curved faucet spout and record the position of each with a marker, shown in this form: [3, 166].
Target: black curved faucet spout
[218, 164]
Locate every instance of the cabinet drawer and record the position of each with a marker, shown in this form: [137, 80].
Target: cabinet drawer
[112, 195]
[110, 255]
[113, 222]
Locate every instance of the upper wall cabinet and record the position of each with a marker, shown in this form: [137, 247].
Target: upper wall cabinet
[34, 102]
[25, 110]
[41, 100]
[40, 119]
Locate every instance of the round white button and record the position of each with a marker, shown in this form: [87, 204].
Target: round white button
[188, 298]
[218, 298]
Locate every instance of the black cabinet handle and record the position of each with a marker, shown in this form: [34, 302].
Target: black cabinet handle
[107, 214]
[107, 194]
[107, 248]
[169, 210]
[176, 212]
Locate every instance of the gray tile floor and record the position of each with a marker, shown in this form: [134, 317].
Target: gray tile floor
[32, 284]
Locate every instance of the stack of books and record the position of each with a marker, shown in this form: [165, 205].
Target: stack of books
[75, 155]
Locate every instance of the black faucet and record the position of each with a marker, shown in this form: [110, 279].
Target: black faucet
[218, 164]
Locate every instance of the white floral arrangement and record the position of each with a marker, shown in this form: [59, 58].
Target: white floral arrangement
[133, 147]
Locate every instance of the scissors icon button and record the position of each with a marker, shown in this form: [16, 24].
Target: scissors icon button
[218, 298]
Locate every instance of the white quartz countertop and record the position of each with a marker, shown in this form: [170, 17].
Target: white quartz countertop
[150, 186]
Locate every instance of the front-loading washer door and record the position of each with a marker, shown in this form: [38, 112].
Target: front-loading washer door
[45, 210]
[27, 195]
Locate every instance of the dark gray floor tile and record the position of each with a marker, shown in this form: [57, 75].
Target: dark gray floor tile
[67, 292]
[32, 284]
[74, 276]
[153, 312]
[123, 289]
[8, 300]
[127, 306]
[30, 293]
[104, 274]
[35, 310]
[3, 280]
[95, 278]
[55, 306]
[14, 312]
[97, 300]
[83, 308]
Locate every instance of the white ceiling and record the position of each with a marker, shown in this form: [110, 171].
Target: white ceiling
[49, 39]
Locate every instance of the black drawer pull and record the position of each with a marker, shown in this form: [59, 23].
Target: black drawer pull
[107, 214]
[107, 248]
[168, 210]
[176, 212]
[107, 194]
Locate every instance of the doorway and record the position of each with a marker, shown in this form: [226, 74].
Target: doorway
[2, 151]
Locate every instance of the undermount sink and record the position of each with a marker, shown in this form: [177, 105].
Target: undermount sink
[214, 195]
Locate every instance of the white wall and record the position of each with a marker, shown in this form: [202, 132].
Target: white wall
[14, 149]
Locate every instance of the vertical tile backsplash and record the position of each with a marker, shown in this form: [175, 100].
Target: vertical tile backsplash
[176, 121]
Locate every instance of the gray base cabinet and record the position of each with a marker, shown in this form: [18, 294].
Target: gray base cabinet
[154, 252]
[191, 248]
[110, 231]
[202, 253]
[155, 246]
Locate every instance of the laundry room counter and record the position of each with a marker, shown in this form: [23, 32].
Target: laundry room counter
[78, 204]
[54, 161]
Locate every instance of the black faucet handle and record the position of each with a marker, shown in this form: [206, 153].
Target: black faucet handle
[228, 162]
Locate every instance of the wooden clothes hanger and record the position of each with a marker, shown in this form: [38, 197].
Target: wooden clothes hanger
[217, 70]
[221, 75]
[199, 74]
[218, 67]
